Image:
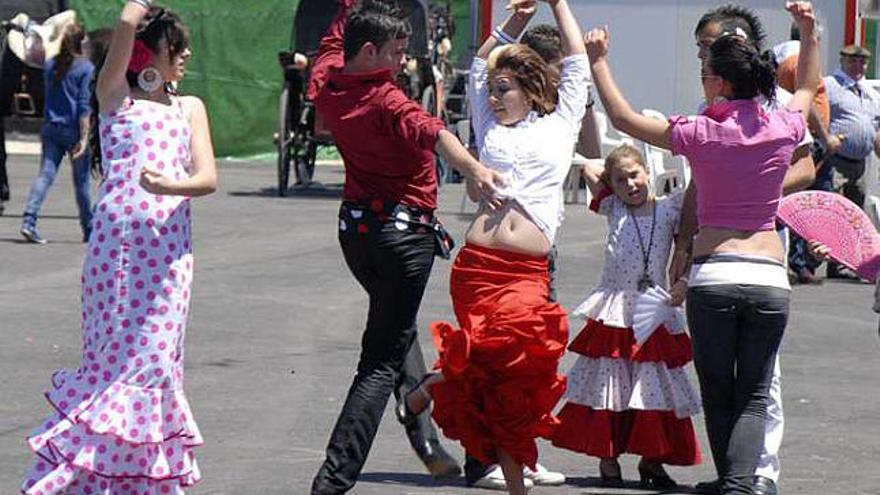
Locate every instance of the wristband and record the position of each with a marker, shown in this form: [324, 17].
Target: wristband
[143, 3]
[501, 36]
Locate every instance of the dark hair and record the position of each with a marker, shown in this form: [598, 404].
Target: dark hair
[376, 22]
[71, 48]
[734, 16]
[532, 73]
[736, 61]
[161, 24]
[99, 42]
[546, 41]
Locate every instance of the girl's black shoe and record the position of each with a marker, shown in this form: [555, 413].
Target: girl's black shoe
[654, 481]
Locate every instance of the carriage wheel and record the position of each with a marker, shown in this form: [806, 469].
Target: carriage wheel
[284, 142]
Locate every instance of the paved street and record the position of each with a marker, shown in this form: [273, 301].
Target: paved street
[274, 337]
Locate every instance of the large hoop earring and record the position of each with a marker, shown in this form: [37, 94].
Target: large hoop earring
[149, 79]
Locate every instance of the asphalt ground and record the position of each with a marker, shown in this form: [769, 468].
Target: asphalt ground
[274, 337]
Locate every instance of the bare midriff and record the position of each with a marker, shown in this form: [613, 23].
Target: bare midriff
[507, 228]
[712, 240]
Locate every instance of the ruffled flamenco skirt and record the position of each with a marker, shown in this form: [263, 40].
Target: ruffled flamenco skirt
[623, 397]
[115, 440]
[500, 367]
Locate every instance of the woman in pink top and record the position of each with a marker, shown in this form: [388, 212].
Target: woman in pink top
[738, 289]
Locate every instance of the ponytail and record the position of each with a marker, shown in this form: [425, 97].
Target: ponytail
[736, 60]
[764, 70]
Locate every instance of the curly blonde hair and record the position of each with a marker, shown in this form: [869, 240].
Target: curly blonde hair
[534, 76]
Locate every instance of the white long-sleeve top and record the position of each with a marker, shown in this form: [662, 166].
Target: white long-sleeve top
[535, 154]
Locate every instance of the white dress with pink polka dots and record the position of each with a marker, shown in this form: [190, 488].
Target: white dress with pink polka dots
[122, 422]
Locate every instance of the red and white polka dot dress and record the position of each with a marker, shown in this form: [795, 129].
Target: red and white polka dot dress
[122, 424]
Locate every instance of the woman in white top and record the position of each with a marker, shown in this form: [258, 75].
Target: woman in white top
[498, 380]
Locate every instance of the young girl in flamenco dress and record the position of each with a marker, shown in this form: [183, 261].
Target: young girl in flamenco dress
[629, 393]
[122, 422]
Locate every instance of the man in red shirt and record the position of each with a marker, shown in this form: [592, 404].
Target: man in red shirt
[387, 228]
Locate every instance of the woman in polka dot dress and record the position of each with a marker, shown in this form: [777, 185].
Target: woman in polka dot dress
[629, 392]
[122, 423]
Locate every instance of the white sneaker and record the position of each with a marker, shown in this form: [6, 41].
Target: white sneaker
[543, 476]
[494, 480]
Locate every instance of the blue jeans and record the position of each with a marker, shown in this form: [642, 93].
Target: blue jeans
[57, 141]
[736, 331]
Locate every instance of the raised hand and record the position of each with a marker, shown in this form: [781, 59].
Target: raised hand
[597, 41]
[803, 15]
[522, 7]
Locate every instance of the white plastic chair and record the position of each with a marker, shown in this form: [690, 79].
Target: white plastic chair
[667, 172]
[571, 188]
[606, 140]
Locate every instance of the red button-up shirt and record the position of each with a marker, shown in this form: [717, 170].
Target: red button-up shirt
[386, 140]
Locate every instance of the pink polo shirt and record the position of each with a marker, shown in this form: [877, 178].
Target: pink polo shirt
[739, 154]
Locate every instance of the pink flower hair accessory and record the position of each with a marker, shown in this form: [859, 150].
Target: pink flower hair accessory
[141, 55]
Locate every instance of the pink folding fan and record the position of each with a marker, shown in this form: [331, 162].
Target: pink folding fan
[839, 224]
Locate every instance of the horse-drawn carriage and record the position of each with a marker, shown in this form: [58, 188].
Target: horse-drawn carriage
[300, 132]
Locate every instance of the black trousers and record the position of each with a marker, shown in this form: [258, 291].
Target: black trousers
[736, 331]
[393, 266]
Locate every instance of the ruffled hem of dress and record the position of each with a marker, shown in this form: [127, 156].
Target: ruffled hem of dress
[655, 435]
[138, 415]
[500, 389]
[598, 340]
[614, 308]
[620, 385]
[64, 478]
[119, 434]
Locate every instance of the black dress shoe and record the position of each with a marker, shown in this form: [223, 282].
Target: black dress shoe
[610, 481]
[654, 481]
[709, 487]
[614, 480]
[439, 463]
[763, 486]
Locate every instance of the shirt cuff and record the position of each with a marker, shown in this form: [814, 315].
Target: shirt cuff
[597, 200]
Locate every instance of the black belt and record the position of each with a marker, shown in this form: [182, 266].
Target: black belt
[416, 220]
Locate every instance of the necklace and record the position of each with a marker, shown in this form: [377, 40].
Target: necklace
[645, 282]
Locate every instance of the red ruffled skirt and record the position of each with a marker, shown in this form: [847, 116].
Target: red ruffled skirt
[500, 368]
[626, 398]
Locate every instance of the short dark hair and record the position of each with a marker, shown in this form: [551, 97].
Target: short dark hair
[734, 16]
[376, 22]
[736, 60]
[546, 40]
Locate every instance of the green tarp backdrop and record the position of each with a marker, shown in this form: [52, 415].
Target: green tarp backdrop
[234, 66]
